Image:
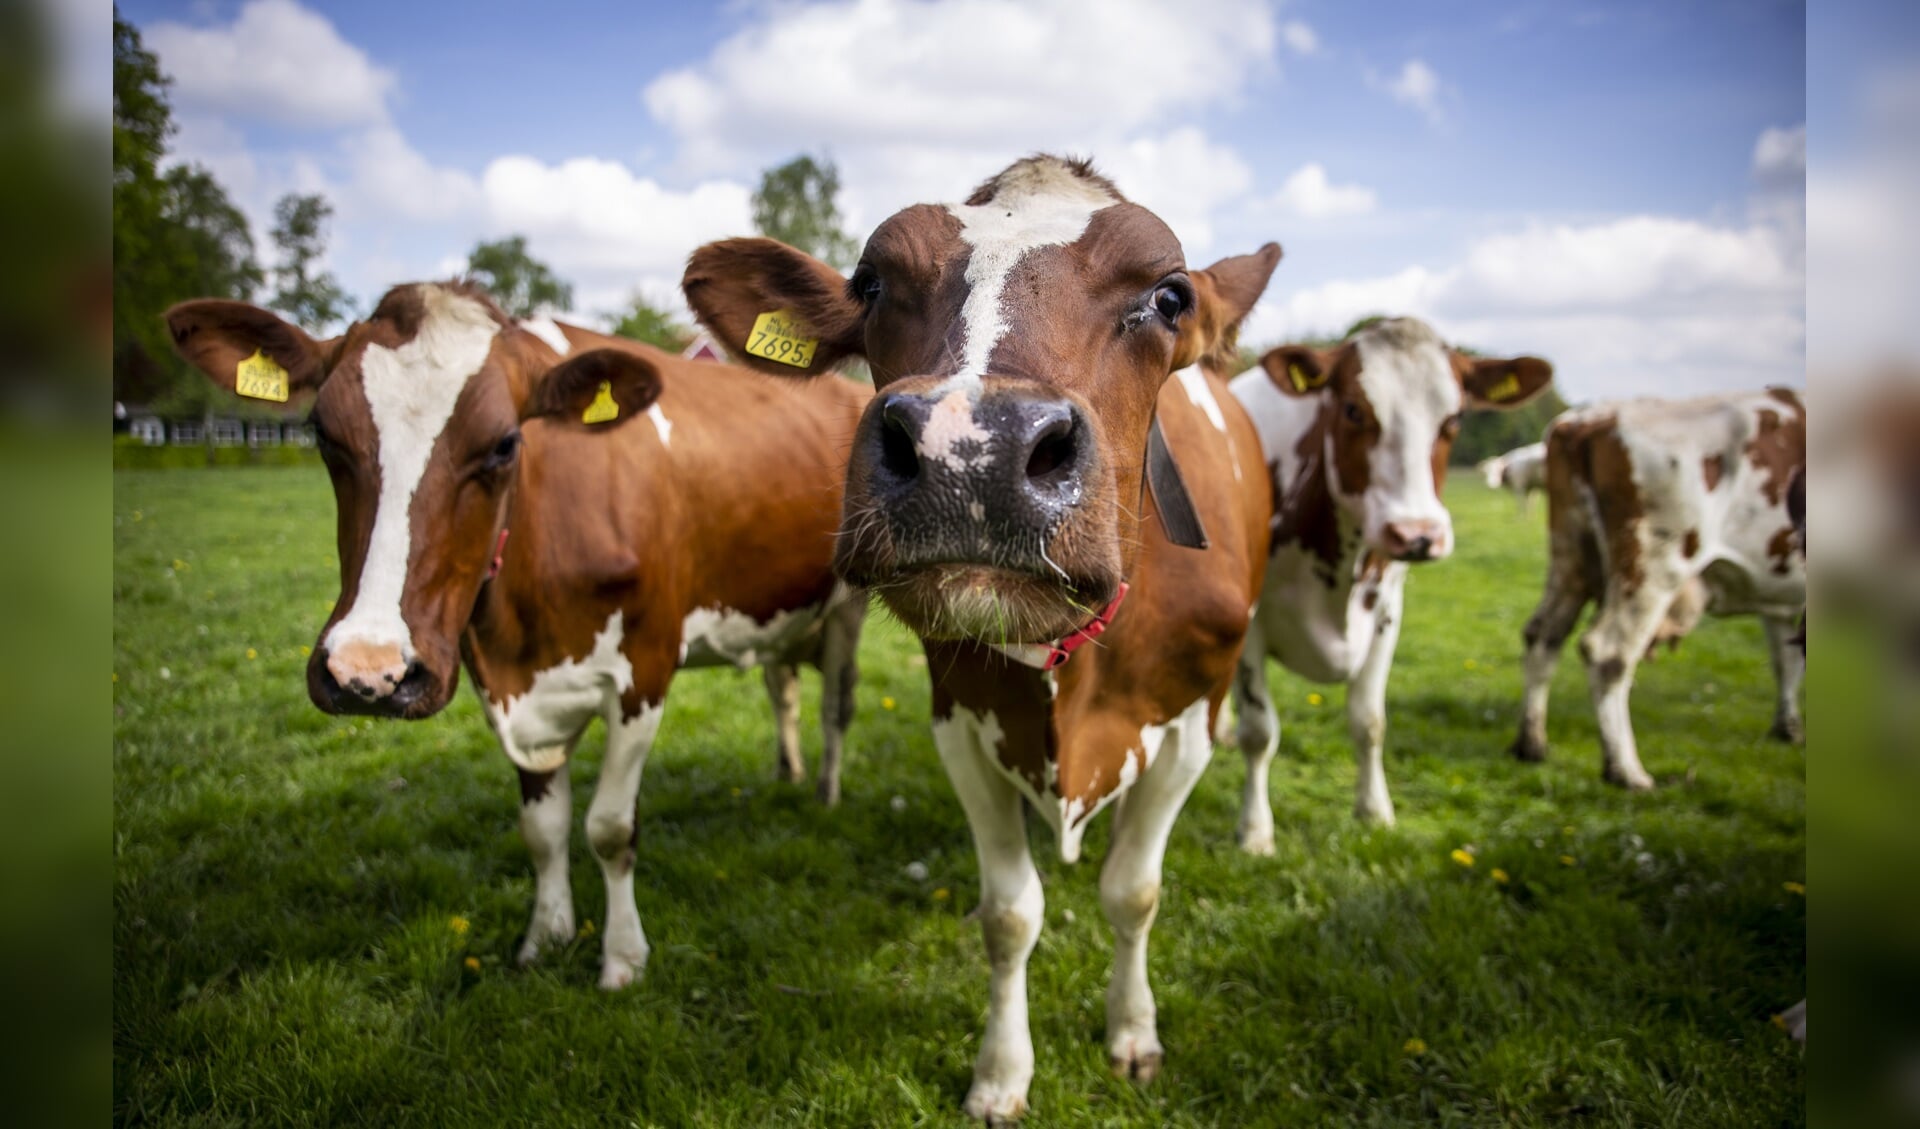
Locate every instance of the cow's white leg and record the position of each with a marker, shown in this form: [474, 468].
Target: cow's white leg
[783, 688]
[1612, 648]
[1367, 712]
[1130, 887]
[1258, 735]
[1544, 636]
[1789, 670]
[612, 828]
[1011, 906]
[546, 817]
[839, 676]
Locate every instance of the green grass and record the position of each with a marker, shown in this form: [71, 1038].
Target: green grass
[285, 885]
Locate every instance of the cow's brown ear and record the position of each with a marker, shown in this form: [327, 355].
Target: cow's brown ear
[1502, 382]
[1298, 370]
[1224, 294]
[247, 350]
[773, 308]
[598, 388]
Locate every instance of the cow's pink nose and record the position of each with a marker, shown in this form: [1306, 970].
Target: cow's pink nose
[369, 671]
[1412, 540]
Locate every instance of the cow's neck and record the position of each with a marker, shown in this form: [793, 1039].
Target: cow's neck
[1308, 521]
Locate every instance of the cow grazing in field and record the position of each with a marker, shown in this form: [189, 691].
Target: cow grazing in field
[1522, 471]
[998, 501]
[1356, 439]
[577, 517]
[1656, 502]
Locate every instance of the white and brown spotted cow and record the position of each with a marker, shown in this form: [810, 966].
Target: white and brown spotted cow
[1650, 503]
[578, 517]
[1521, 471]
[1356, 438]
[997, 500]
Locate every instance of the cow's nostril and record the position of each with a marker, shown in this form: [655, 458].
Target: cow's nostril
[1054, 449]
[897, 457]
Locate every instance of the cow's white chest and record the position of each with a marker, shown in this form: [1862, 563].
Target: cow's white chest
[719, 636]
[1323, 634]
[535, 726]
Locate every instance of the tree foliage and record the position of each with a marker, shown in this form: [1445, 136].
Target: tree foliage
[313, 298]
[522, 284]
[643, 321]
[798, 204]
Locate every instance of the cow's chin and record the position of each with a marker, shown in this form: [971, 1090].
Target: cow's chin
[989, 605]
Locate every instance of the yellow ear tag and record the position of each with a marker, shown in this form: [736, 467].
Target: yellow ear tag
[603, 408]
[777, 337]
[1301, 381]
[261, 379]
[1507, 389]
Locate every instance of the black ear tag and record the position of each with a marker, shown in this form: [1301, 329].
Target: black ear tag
[1170, 497]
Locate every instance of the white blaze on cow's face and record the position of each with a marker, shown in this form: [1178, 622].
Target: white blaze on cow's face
[410, 393]
[1407, 381]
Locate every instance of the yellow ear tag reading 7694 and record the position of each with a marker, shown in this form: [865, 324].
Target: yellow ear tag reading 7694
[261, 379]
[1301, 381]
[1507, 389]
[603, 408]
[777, 337]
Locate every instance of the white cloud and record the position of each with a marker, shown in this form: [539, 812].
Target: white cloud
[276, 62]
[1781, 154]
[1003, 75]
[1299, 37]
[390, 178]
[1183, 178]
[1416, 85]
[1308, 194]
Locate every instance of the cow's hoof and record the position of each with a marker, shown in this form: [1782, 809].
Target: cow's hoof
[788, 772]
[1788, 730]
[539, 939]
[618, 971]
[1528, 750]
[1258, 843]
[1376, 815]
[994, 1105]
[1136, 1057]
[829, 792]
[1635, 781]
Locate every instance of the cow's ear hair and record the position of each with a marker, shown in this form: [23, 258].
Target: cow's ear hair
[773, 308]
[598, 388]
[1502, 382]
[218, 336]
[1298, 370]
[1224, 294]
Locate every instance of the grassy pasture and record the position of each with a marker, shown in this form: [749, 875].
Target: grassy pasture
[314, 918]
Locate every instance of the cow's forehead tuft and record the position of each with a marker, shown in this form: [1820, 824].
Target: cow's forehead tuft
[1044, 174]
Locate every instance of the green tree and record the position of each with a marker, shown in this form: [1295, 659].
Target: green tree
[798, 204]
[643, 321]
[522, 284]
[313, 298]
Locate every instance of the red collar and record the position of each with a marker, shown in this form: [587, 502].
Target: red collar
[1051, 656]
[499, 552]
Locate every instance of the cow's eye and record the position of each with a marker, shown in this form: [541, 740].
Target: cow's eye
[865, 285]
[504, 452]
[1171, 300]
[1353, 413]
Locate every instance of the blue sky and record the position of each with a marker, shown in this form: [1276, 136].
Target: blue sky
[1618, 187]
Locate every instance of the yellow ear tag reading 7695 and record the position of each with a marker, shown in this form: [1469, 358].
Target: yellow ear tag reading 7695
[777, 337]
[261, 379]
[603, 408]
[1507, 389]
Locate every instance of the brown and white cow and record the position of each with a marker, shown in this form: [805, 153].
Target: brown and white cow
[1647, 501]
[1521, 471]
[577, 529]
[1356, 439]
[997, 501]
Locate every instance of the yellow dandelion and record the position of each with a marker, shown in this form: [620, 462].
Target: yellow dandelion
[252, 654]
[736, 793]
[719, 876]
[1567, 831]
[1567, 860]
[1414, 1047]
[713, 956]
[1794, 888]
[116, 676]
[305, 650]
[473, 964]
[586, 927]
[1462, 856]
[1501, 877]
[1471, 665]
[179, 565]
[137, 515]
[458, 924]
[942, 894]
[887, 703]
[1779, 1021]
[1314, 699]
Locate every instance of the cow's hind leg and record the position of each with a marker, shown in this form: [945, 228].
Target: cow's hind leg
[546, 817]
[1258, 735]
[1789, 669]
[1011, 907]
[783, 688]
[613, 829]
[1130, 888]
[1612, 648]
[839, 676]
[1544, 637]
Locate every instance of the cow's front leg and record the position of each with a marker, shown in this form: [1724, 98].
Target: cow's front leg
[1011, 905]
[1130, 888]
[1367, 716]
[1258, 734]
[1789, 670]
[546, 817]
[783, 689]
[613, 830]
